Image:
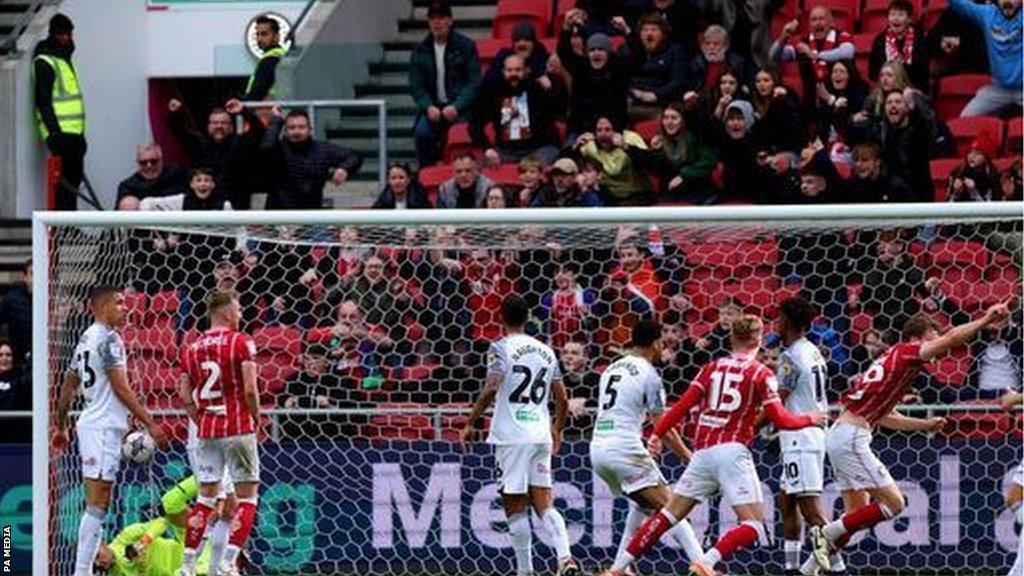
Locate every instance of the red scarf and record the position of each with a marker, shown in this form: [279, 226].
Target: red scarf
[829, 42]
[893, 53]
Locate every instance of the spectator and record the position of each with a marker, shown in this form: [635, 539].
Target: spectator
[563, 190]
[383, 298]
[262, 82]
[871, 345]
[592, 191]
[995, 362]
[60, 110]
[313, 386]
[873, 182]
[581, 384]
[975, 180]
[202, 194]
[715, 57]
[737, 151]
[682, 17]
[814, 182]
[892, 76]
[1001, 25]
[305, 164]
[489, 282]
[16, 314]
[726, 88]
[357, 348]
[824, 44]
[497, 198]
[153, 178]
[903, 43]
[684, 160]
[1011, 184]
[956, 46]
[891, 285]
[444, 75]
[402, 190]
[15, 391]
[565, 311]
[716, 343]
[220, 149]
[680, 358]
[609, 17]
[778, 123]
[747, 21]
[600, 83]
[841, 95]
[657, 68]
[531, 178]
[285, 275]
[905, 137]
[523, 115]
[534, 54]
[468, 188]
[612, 149]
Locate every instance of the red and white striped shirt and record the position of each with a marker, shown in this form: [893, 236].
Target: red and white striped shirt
[214, 367]
[735, 389]
[885, 382]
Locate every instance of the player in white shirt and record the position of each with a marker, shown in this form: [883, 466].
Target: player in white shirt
[99, 371]
[1015, 492]
[522, 376]
[802, 375]
[630, 393]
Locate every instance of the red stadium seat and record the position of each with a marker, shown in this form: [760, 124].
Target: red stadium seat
[956, 91]
[860, 323]
[789, 10]
[275, 368]
[136, 304]
[875, 16]
[158, 341]
[279, 339]
[320, 335]
[403, 426]
[965, 130]
[958, 253]
[932, 12]
[647, 129]
[459, 142]
[512, 12]
[1005, 163]
[162, 308]
[1015, 135]
[951, 370]
[844, 12]
[791, 79]
[941, 169]
[503, 174]
[862, 50]
[432, 177]
[562, 9]
[488, 49]
[989, 425]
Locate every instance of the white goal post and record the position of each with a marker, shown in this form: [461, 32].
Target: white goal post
[597, 226]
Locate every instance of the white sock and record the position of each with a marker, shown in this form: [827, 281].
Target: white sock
[684, 534]
[712, 557]
[1018, 512]
[810, 567]
[522, 542]
[555, 525]
[791, 548]
[834, 530]
[634, 519]
[836, 563]
[90, 535]
[231, 553]
[218, 540]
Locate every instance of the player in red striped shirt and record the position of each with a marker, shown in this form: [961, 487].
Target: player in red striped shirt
[859, 473]
[730, 393]
[218, 384]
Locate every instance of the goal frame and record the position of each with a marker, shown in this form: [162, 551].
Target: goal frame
[42, 222]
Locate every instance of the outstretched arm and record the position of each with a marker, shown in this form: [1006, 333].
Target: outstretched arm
[668, 422]
[896, 421]
[962, 334]
[786, 420]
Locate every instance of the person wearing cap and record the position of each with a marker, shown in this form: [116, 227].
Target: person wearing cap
[657, 68]
[59, 107]
[975, 180]
[562, 190]
[533, 51]
[600, 83]
[522, 114]
[444, 77]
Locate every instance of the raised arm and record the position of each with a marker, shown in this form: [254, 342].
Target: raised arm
[786, 420]
[962, 334]
[896, 421]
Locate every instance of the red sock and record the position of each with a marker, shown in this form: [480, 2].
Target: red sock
[648, 534]
[242, 524]
[196, 527]
[742, 536]
[865, 517]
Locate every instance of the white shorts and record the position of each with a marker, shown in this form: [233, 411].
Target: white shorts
[1018, 475]
[727, 469]
[238, 454]
[100, 449]
[625, 469]
[227, 486]
[803, 472]
[855, 466]
[521, 466]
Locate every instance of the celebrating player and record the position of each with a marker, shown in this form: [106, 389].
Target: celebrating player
[1015, 493]
[523, 373]
[220, 390]
[802, 375]
[631, 391]
[100, 369]
[859, 473]
[730, 392]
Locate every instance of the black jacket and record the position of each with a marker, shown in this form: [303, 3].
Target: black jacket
[884, 189]
[542, 105]
[15, 393]
[16, 314]
[918, 70]
[735, 62]
[461, 77]
[781, 127]
[172, 180]
[537, 64]
[303, 168]
[416, 197]
[595, 93]
[663, 73]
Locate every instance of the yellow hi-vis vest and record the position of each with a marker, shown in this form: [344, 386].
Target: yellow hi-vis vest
[275, 52]
[67, 98]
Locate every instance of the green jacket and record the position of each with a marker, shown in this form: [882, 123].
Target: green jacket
[161, 556]
[462, 73]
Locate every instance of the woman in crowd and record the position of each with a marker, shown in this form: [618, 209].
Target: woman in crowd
[684, 160]
[402, 190]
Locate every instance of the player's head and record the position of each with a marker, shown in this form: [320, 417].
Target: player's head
[795, 317]
[223, 308]
[920, 328]
[746, 333]
[104, 558]
[107, 305]
[646, 337]
[514, 312]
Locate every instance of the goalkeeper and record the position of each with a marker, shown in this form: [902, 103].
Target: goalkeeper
[146, 549]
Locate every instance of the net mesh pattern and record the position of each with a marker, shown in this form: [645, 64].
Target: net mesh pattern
[370, 348]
